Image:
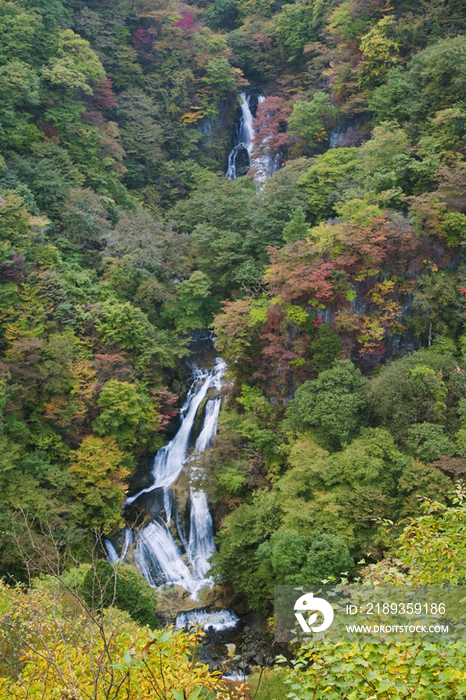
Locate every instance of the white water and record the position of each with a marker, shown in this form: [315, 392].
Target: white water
[170, 460]
[156, 553]
[111, 552]
[156, 547]
[236, 676]
[218, 621]
[243, 138]
[201, 534]
[264, 166]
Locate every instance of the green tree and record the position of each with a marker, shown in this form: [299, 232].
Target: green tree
[298, 24]
[128, 413]
[220, 76]
[187, 310]
[427, 441]
[438, 72]
[398, 98]
[379, 49]
[311, 120]
[418, 388]
[288, 558]
[222, 14]
[433, 544]
[333, 404]
[333, 668]
[325, 347]
[124, 325]
[327, 173]
[386, 162]
[105, 586]
[76, 68]
[296, 228]
[235, 561]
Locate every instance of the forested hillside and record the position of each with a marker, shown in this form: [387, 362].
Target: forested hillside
[334, 288]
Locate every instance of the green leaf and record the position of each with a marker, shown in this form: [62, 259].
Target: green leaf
[383, 685]
[195, 694]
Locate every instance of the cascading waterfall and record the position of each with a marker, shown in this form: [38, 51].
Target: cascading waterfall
[111, 551]
[201, 535]
[240, 159]
[156, 553]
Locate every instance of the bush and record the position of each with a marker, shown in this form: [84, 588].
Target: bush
[105, 585]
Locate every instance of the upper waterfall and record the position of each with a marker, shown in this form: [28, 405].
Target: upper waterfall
[241, 159]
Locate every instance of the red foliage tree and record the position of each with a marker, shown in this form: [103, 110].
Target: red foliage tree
[270, 130]
[186, 23]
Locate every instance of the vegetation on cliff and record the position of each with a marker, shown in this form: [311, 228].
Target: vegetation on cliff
[335, 290]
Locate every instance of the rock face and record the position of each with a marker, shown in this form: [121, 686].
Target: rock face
[242, 162]
[218, 134]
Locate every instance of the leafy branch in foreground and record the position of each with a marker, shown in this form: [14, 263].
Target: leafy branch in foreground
[54, 643]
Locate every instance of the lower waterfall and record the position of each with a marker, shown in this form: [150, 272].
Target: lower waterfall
[157, 555]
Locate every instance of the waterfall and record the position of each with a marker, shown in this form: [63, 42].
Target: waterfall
[111, 552]
[218, 621]
[201, 536]
[240, 159]
[157, 555]
[170, 460]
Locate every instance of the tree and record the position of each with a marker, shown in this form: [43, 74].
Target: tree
[418, 388]
[298, 24]
[20, 33]
[220, 76]
[428, 441]
[291, 559]
[398, 98]
[77, 66]
[270, 136]
[222, 14]
[296, 228]
[50, 638]
[141, 134]
[333, 668]
[128, 413]
[325, 347]
[323, 178]
[105, 586]
[186, 310]
[311, 120]
[385, 160]
[235, 561]
[438, 72]
[433, 544]
[333, 403]
[99, 475]
[379, 49]
[123, 324]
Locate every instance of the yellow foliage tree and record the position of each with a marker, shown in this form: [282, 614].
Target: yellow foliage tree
[53, 647]
[99, 474]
